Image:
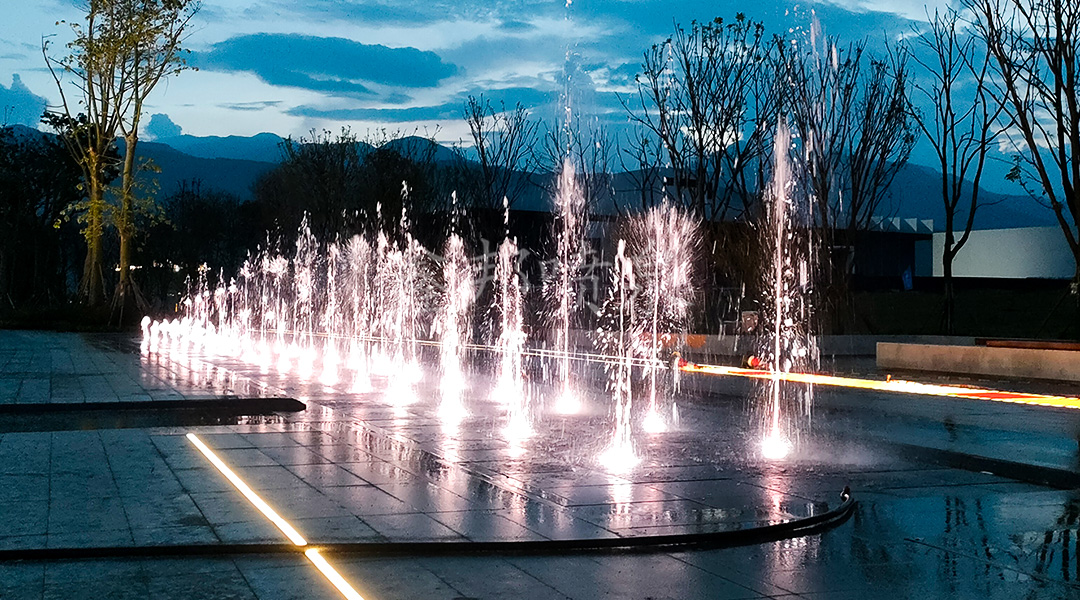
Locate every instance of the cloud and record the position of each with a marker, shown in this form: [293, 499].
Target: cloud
[336, 66]
[915, 10]
[397, 98]
[250, 106]
[411, 13]
[451, 110]
[516, 26]
[624, 74]
[161, 127]
[528, 97]
[20, 106]
[438, 112]
[369, 12]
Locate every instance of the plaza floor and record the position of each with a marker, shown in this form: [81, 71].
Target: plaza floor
[951, 494]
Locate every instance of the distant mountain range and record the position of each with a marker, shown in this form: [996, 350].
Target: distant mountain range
[262, 147]
[233, 164]
[916, 193]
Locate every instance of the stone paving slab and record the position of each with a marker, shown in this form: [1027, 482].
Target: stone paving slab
[46, 367]
[358, 469]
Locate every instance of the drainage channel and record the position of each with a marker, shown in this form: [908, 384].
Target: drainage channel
[25, 418]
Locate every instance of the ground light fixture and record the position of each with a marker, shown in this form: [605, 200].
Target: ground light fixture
[290, 532]
[889, 385]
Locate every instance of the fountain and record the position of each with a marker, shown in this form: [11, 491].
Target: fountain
[570, 211]
[352, 316]
[665, 240]
[454, 327]
[510, 385]
[619, 336]
[786, 345]
[358, 258]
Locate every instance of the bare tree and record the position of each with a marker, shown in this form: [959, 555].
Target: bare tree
[640, 156]
[693, 96]
[884, 135]
[822, 103]
[591, 151]
[961, 129]
[1035, 45]
[503, 141]
[855, 125]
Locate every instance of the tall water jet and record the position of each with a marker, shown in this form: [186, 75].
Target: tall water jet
[332, 314]
[619, 336]
[664, 241]
[277, 319]
[570, 220]
[510, 345]
[358, 258]
[397, 284]
[454, 327]
[303, 308]
[786, 344]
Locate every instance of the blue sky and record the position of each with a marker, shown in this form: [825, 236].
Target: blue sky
[289, 66]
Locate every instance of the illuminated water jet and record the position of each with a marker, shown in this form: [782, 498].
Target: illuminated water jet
[454, 326]
[570, 211]
[618, 335]
[786, 343]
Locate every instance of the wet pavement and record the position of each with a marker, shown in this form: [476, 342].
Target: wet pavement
[369, 468]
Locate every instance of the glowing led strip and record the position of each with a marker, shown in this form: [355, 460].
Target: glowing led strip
[312, 554]
[293, 535]
[892, 385]
[332, 575]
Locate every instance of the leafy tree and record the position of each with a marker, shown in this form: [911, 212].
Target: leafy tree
[38, 180]
[201, 226]
[345, 186]
[120, 52]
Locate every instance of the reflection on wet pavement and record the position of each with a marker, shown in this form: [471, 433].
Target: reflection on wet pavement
[357, 468]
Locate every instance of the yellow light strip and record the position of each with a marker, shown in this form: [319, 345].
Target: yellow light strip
[312, 554]
[332, 575]
[293, 535]
[892, 385]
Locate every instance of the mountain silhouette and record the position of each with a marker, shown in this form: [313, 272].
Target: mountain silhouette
[232, 164]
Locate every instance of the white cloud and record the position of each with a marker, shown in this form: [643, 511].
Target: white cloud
[915, 10]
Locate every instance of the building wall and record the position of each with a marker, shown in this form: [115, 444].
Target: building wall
[1023, 252]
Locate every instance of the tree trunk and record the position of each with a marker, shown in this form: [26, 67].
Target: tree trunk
[128, 302]
[92, 285]
[950, 298]
[1074, 289]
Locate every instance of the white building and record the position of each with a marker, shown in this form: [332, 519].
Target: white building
[1020, 253]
